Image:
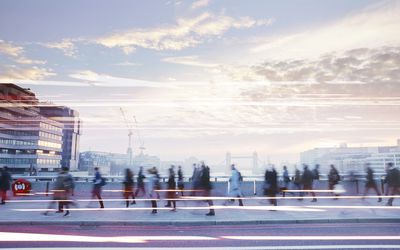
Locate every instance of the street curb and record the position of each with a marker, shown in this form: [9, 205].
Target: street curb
[198, 223]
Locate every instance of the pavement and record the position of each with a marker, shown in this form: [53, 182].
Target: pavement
[257, 210]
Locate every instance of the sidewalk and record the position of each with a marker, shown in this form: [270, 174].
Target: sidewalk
[28, 210]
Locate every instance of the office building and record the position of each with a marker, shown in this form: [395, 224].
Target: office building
[29, 141]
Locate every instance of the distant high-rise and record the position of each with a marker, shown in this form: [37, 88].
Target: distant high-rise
[71, 132]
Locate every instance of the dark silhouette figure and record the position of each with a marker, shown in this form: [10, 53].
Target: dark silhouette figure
[171, 193]
[297, 181]
[206, 186]
[333, 179]
[286, 180]
[271, 185]
[371, 182]
[98, 183]
[5, 184]
[393, 182]
[140, 183]
[128, 187]
[181, 182]
[307, 179]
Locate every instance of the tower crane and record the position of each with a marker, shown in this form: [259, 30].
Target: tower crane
[130, 127]
[139, 137]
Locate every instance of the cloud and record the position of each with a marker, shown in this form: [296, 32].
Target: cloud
[375, 26]
[66, 46]
[200, 4]
[357, 66]
[189, 61]
[16, 53]
[187, 32]
[104, 80]
[32, 73]
[10, 50]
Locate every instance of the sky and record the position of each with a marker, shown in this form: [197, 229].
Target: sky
[204, 77]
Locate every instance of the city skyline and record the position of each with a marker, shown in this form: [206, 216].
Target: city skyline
[206, 77]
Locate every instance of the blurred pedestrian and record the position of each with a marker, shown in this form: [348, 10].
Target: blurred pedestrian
[5, 184]
[171, 192]
[153, 187]
[234, 188]
[286, 180]
[61, 192]
[206, 187]
[98, 183]
[181, 182]
[317, 176]
[271, 185]
[297, 181]
[128, 187]
[140, 183]
[393, 182]
[333, 180]
[370, 183]
[307, 181]
[196, 179]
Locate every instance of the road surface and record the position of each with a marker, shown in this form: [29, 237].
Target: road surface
[273, 236]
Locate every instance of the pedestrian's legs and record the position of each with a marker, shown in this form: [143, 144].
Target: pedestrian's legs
[240, 201]
[378, 193]
[154, 206]
[98, 195]
[3, 196]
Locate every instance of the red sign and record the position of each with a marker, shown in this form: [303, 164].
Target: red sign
[21, 186]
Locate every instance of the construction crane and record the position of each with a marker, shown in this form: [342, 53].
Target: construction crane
[139, 137]
[130, 133]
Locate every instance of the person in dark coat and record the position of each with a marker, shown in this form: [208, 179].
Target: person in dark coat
[271, 185]
[333, 179]
[307, 179]
[181, 183]
[171, 193]
[297, 181]
[5, 184]
[140, 183]
[393, 181]
[128, 187]
[286, 180]
[370, 183]
[206, 187]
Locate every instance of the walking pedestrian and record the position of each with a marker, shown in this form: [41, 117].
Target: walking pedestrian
[393, 182]
[206, 187]
[333, 180]
[234, 187]
[307, 179]
[171, 192]
[196, 176]
[297, 182]
[128, 187]
[317, 176]
[61, 192]
[153, 187]
[98, 183]
[5, 184]
[271, 185]
[286, 180]
[181, 183]
[140, 183]
[370, 183]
